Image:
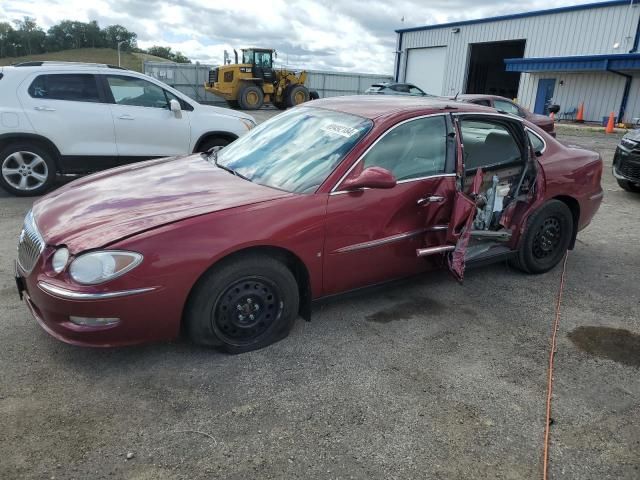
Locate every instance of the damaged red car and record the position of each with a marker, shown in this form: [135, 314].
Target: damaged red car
[231, 246]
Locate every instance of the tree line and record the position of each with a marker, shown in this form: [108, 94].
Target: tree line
[25, 38]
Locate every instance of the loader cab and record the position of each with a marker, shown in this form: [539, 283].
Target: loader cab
[261, 62]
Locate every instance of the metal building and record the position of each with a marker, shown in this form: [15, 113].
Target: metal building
[566, 56]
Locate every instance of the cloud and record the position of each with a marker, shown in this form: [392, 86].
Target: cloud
[354, 35]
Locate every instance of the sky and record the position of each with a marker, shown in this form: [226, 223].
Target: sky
[348, 35]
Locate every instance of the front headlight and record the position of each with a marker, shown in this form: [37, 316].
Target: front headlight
[98, 267]
[60, 259]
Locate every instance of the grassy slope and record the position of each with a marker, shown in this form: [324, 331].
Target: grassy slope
[131, 61]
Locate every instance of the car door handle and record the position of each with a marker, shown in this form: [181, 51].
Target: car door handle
[430, 199]
[125, 117]
[44, 109]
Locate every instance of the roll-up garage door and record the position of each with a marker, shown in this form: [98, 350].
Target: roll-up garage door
[425, 68]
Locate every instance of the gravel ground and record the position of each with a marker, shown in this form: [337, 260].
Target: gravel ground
[424, 379]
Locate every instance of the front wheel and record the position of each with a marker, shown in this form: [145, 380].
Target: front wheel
[295, 95]
[546, 239]
[243, 304]
[26, 170]
[209, 143]
[628, 186]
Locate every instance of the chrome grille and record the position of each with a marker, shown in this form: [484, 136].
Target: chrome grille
[30, 244]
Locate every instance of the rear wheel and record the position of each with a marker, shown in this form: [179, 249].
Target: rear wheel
[243, 304]
[295, 95]
[628, 186]
[26, 170]
[251, 97]
[546, 239]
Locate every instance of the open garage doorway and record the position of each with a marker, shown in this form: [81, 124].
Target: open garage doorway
[487, 72]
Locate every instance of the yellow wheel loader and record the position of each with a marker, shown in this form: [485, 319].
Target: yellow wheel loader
[254, 82]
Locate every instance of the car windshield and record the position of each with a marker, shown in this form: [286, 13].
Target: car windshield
[295, 151]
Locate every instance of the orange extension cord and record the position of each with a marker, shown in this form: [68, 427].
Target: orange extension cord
[554, 334]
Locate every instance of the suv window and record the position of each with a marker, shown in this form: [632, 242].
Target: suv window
[136, 92]
[71, 87]
[412, 150]
[505, 106]
[487, 144]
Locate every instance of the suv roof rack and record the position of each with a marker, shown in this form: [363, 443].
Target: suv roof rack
[64, 64]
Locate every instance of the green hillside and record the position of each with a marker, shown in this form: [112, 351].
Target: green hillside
[131, 61]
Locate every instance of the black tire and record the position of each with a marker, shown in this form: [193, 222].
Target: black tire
[546, 239]
[212, 142]
[243, 304]
[280, 105]
[251, 97]
[28, 161]
[295, 95]
[233, 104]
[313, 95]
[628, 186]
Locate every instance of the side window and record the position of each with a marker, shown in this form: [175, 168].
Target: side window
[506, 107]
[71, 87]
[136, 92]
[536, 142]
[413, 150]
[487, 144]
[415, 91]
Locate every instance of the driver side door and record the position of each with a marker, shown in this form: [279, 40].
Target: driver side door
[372, 235]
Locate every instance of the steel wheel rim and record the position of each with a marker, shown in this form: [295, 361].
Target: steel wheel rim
[247, 310]
[252, 98]
[25, 170]
[547, 238]
[298, 97]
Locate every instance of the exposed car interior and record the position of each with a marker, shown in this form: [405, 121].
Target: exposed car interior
[502, 151]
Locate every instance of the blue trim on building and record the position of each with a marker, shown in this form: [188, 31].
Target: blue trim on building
[515, 16]
[580, 63]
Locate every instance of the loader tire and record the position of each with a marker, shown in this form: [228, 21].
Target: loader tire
[251, 97]
[295, 95]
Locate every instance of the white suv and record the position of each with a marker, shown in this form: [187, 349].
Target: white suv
[72, 118]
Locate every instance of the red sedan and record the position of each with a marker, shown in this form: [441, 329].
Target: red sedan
[232, 246]
[507, 106]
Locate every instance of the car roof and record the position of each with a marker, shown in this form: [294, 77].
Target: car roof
[374, 106]
[480, 96]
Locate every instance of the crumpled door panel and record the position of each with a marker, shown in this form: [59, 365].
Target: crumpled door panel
[459, 231]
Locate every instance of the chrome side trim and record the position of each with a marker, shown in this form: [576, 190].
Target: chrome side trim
[509, 116]
[71, 295]
[424, 252]
[362, 155]
[597, 196]
[391, 239]
[539, 138]
[408, 180]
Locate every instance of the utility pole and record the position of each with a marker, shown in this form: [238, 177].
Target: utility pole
[119, 43]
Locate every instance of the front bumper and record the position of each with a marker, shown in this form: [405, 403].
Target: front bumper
[626, 165]
[144, 314]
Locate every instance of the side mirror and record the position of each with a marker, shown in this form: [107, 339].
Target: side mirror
[174, 106]
[372, 177]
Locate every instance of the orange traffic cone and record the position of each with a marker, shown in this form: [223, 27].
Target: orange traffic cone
[553, 116]
[580, 115]
[610, 123]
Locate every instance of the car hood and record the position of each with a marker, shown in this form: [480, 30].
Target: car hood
[100, 209]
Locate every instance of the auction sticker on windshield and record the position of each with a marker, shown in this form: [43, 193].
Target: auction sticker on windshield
[342, 130]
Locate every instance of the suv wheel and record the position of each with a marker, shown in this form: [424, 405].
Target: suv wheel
[209, 143]
[27, 170]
